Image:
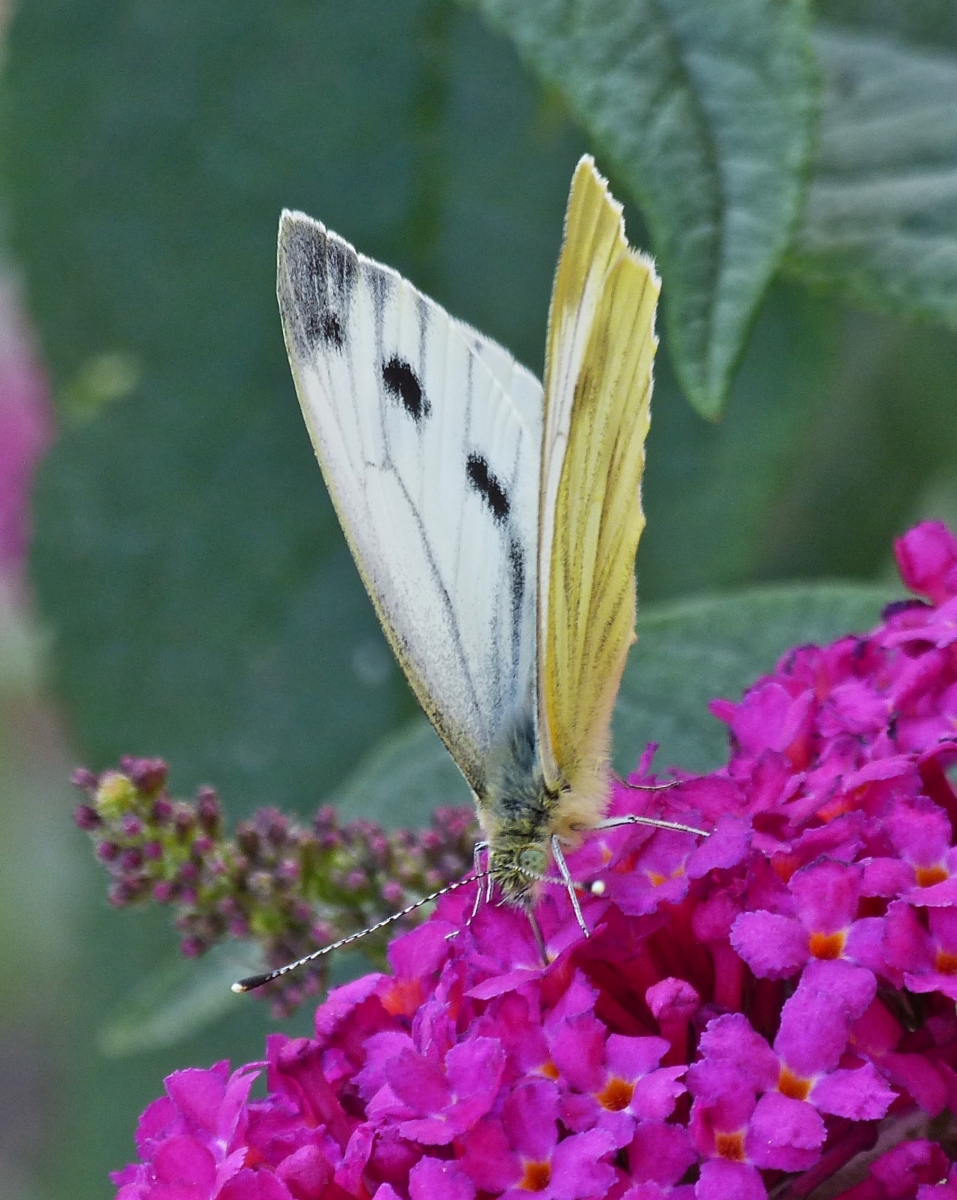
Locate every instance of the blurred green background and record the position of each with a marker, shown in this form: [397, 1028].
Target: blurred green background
[188, 592]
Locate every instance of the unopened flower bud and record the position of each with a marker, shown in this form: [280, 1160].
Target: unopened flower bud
[149, 774]
[131, 825]
[162, 810]
[289, 869]
[248, 840]
[124, 892]
[183, 820]
[393, 894]
[86, 817]
[208, 811]
[325, 819]
[131, 859]
[322, 933]
[86, 780]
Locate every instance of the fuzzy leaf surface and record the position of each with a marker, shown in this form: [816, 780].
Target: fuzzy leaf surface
[705, 113]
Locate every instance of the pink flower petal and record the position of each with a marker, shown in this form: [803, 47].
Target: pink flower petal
[859, 1095]
[722, 1180]
[435, 1179]
[784, 1134]
[774, 947]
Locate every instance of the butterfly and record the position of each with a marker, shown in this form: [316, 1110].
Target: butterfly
[494, 520]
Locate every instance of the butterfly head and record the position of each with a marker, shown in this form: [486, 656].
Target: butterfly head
[518, 866]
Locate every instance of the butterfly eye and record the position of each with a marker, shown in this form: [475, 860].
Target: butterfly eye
[533, 860]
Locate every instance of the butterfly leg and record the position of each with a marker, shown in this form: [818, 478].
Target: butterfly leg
[569, 885]
[632, 819]
[649, 787]
[477, 868]
[540, 941]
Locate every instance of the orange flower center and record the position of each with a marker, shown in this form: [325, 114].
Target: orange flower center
[536, 1176]
[827, 945]
[928, 876]
[946, 963]
[793, 1085]
[730, 1145]
[840, 804]
[784, 866]
[616, 1094]
[549, 1070]
[657, 879]
[404, 998]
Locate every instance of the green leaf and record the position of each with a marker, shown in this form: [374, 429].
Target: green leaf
[176, 1000]
[733, 475]
[699, 650]
[706, 112]
[880, 224]
[185, 996]
[401, 782]
[687, 654]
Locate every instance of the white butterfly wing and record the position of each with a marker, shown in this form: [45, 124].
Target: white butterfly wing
[429, 436]
[519, 384]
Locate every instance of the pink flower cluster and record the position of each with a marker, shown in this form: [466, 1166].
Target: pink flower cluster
[766, 1012]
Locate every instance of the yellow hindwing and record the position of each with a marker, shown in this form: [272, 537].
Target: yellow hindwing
[601, 345]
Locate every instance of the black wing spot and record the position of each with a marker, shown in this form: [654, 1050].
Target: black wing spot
[402, 383]
[487, 486]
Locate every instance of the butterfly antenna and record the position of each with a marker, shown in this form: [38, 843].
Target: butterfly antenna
[539, 879]
[254, 981]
